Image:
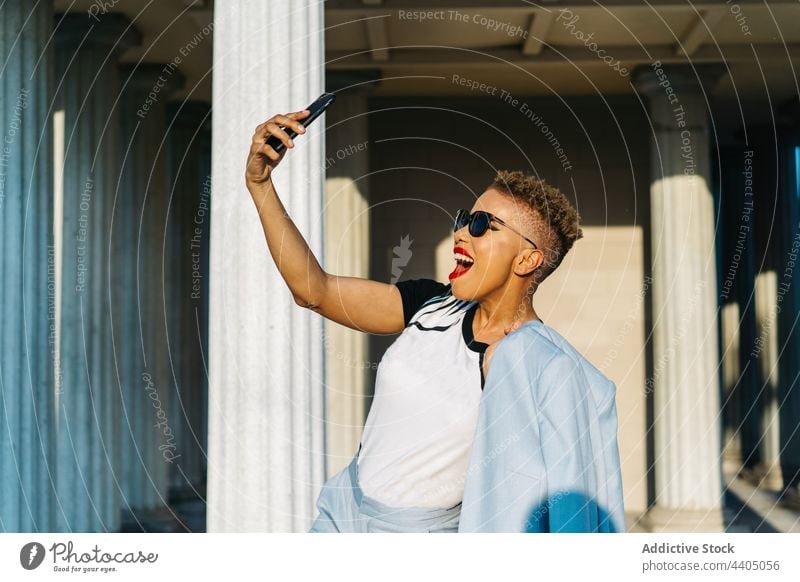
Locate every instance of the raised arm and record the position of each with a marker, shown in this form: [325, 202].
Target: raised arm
[361, 304]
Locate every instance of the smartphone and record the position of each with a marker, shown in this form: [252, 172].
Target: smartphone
[316, 108]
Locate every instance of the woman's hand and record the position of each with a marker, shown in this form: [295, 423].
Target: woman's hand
[487, 357]
[262, 157]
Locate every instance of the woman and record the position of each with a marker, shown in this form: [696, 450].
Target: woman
[409, 472]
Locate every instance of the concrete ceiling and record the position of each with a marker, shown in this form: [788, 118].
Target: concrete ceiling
[544, 48]
[522, 47]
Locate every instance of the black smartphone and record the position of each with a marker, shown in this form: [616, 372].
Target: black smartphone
[316, 108]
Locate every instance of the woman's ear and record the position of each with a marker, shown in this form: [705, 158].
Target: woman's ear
[528, 261]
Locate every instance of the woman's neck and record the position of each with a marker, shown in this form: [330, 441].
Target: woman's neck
[494, 316]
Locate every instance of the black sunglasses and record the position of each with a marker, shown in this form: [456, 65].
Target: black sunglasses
[479, 222]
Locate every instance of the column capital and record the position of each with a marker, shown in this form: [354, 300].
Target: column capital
[677, 95]
[144, 77]
[78, 30]
[653, 79]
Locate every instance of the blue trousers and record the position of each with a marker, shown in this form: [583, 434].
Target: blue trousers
[344, 508]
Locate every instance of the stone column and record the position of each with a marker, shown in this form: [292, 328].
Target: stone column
[684, 378]
[346, 253]
[88, 402]
[737, 259]
[743, 231]
[149, 417]
[188, 229]
[769, 471]
[764, 348]
[27, 270]
[266, 375]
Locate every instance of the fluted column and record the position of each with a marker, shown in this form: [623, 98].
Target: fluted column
[347, 254]
[149, 417]
[27, 270]
[88, 402]
[266, 376]
[188, 229]
[684, 379]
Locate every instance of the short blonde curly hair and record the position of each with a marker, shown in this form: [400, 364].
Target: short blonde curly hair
[555, 220]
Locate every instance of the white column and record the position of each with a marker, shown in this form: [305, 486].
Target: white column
[346, 253]
[766, 290]
[684, 379]
[266, 376]
[27, 269]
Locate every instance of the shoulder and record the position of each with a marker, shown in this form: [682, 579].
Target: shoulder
[423, 286]
[415, 293]
[555, 361]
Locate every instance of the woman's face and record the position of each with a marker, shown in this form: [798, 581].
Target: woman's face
[494, 252]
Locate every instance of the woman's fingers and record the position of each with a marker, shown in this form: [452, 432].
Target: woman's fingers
[269, 151]
[263, 157]
[288, 121]
[300, 114]
[263, 130]
[279, 131]
[260, 148]
[274, 129]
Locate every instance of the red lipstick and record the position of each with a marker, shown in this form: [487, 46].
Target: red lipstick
[461, 268]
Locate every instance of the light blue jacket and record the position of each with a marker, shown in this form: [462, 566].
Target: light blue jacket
[545, 455]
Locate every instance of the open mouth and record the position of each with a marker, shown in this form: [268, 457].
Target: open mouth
[463, 263]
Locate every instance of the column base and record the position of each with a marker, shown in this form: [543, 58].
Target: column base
[768, 476]
[790, 498]
[660, 519]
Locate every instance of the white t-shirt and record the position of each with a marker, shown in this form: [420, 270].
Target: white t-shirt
[419, 431]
